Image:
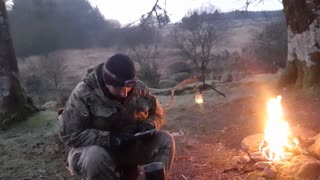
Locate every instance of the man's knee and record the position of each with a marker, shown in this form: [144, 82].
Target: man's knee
[96, 163]
[165, 149]
[95, 156]
[163, 138]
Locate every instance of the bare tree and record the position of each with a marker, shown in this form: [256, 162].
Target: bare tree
[145, 56]
[250, 2]
[271, 46]
[15, 105]
[47, 81]
[196, 38]
[53, 69]
[158, 12]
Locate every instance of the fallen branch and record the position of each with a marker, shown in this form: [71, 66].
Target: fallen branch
[213, 88]
[181, 85]
[184, 83]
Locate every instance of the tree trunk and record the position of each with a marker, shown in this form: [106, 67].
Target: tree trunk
[14, 104]
[203, 73]
[303, 66]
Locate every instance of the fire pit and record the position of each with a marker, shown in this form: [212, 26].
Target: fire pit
[278, 153]
[278, 143]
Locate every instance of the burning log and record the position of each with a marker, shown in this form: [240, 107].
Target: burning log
[280, 154]
[277, 135]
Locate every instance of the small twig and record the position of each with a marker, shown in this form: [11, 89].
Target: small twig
[246, 171]
[230, 169]
[201, 165]
[184, 177]
[182, 158]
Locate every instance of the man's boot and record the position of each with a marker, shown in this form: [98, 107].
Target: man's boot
[154, 171]
[130, 173]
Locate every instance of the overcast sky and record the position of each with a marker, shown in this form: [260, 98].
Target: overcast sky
[126, 11]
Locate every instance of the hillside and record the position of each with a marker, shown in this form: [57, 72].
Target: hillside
[235, 35]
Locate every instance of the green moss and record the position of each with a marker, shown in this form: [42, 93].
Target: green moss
[41, 119]
[16, 107]
[315, 56]
[311, 78]
[300, 73]
[289, 76]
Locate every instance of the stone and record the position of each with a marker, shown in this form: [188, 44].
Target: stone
[262, 165]
[251, 143]
[270, 172]
[51, 105]
[242, 159]
[288, 156]
[255, 175]
[302, 132]
[301, 166]
[315, 147]
[257, 156]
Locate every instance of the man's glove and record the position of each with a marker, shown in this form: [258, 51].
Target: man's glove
[120, 140]
[145, 126]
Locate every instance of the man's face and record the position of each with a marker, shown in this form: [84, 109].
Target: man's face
[119, 92]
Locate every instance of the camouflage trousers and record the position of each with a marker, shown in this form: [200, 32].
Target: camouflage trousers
[97, 163]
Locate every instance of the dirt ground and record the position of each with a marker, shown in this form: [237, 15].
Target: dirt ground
[207, 137]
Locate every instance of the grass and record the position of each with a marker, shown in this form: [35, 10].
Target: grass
[40, 119]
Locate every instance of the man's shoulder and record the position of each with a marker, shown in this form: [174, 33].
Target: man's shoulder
[88, 84]
[82, 90]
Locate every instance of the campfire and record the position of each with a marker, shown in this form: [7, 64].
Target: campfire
[280, 150]
[278, 141]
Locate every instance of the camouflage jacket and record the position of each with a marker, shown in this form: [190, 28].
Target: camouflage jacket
[91, 112]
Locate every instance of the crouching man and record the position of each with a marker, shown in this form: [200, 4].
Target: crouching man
[104, 121]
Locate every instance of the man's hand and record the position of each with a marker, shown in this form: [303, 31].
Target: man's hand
[120, 140]
[145, 126]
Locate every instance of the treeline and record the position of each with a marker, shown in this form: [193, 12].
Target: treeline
[228, 18]
[42, 26]
[268, 48]
[251, 14]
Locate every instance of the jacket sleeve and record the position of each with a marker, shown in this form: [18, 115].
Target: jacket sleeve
[74, 122]
[156, 113]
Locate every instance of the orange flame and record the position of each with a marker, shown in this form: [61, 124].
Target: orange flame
[198, 98]
[277, 132]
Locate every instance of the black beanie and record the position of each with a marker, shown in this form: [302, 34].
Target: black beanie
[122, 67]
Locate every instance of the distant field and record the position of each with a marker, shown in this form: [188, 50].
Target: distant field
[237, 36]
